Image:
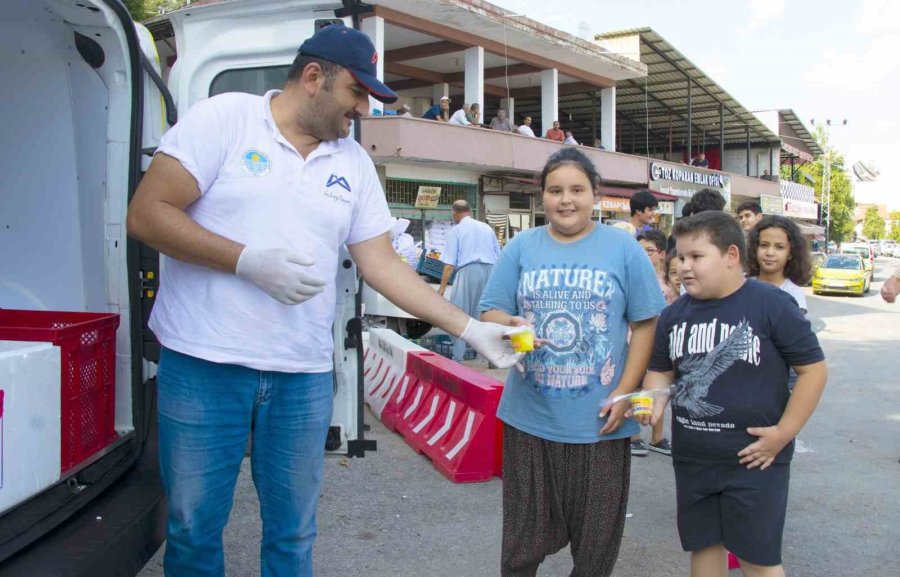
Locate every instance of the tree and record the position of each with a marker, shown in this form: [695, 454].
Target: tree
[842, 201]
[873, 225]
[895, 226]
[144, 9]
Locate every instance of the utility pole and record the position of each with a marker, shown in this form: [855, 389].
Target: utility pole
[826, 195]
[826, 180]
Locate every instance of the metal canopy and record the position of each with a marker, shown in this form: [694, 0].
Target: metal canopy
[653, 110]
[800, 139]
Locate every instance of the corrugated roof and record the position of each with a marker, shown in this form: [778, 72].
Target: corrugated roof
[791, 118]
[660, 104]
[650, 111]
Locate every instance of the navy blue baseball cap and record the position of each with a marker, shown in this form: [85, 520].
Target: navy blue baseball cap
[354, 51]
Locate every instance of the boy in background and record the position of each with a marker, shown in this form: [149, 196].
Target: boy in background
[727, 347]
[654, 244]
[644, 209]
[749, 214]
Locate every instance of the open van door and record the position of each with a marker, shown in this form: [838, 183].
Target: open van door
[73, 110]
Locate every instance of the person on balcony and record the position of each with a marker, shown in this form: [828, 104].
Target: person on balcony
[501, 122]
[474, 114]
[440, 111]
[555, 133]
[525, 129]
[405, 111]
[569, 138]
[460, 117]
[701, 161]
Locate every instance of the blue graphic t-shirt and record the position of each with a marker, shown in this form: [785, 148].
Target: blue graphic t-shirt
[580, 297]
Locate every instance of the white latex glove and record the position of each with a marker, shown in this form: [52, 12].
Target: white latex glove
[281, 273]
[487, 339]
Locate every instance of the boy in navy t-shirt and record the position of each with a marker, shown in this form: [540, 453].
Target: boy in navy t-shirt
[727, 347]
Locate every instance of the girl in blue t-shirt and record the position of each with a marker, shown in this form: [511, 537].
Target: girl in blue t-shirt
[566, 460]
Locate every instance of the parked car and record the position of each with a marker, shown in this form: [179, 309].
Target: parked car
[895, 251]
[886, 247]
[865, 252]
[816, 260]
[842, 273]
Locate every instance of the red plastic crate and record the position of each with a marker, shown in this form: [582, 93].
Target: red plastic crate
[87, 343]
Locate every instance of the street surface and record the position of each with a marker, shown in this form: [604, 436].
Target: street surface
[392, 514]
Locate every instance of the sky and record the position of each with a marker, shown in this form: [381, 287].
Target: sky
[826, 59]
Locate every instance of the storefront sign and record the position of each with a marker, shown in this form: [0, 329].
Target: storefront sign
[772, 204]
[686, 175]
[615, 204]
[684, 181]
[428, 197]
[801, 209]
[666, 207]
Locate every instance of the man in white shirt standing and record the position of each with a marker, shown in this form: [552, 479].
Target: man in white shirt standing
[525, 128]
[249, 199]
[471, 250]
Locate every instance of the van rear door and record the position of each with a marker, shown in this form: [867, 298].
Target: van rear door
[73, 115]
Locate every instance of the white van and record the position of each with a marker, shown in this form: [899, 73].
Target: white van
[84, 107]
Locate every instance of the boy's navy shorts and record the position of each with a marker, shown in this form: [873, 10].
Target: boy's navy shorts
[742, 508]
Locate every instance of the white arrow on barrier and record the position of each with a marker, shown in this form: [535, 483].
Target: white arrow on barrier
[465, 438]
[445, 427]
[415, 404]
[434, 403]
[403, 389]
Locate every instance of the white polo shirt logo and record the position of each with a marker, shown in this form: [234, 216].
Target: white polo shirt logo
[256, 163]
[333, 186]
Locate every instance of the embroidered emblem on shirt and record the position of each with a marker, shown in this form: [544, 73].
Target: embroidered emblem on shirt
[255, 162]
[339, 180]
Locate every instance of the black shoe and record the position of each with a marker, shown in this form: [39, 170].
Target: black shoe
[639, 448]
[662, 446]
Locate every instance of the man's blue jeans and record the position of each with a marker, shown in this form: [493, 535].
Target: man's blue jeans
[206, 412]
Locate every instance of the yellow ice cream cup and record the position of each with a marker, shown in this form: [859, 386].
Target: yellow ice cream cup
[642, 405]
[522, 340]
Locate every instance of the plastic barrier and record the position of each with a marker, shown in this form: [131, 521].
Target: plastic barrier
[449, 414]
[384, 371]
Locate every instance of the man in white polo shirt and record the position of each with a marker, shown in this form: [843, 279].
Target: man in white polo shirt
[471, 250]
[250, 198]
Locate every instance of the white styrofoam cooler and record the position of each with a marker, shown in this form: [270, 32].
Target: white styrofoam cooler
[29, 420]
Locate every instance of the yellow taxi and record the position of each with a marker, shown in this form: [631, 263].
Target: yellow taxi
[841, 273]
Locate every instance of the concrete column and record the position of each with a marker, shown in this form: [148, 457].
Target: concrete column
[474, 89]
[510, 105]
[608, 118]
[373, 27]
[549, 100]
[438, 91]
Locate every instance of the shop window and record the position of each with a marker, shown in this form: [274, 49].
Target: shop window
[402, 192]
[519, 200]
[250, 80]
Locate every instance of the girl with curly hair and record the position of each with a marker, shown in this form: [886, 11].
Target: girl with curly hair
[778, 254]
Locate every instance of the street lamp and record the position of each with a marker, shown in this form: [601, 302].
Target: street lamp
[826, 180]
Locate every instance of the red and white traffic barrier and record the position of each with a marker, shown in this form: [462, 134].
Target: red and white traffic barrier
[384, 369]
[451, 416]
[442, 408]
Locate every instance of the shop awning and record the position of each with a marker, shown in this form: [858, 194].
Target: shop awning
[625, 192]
